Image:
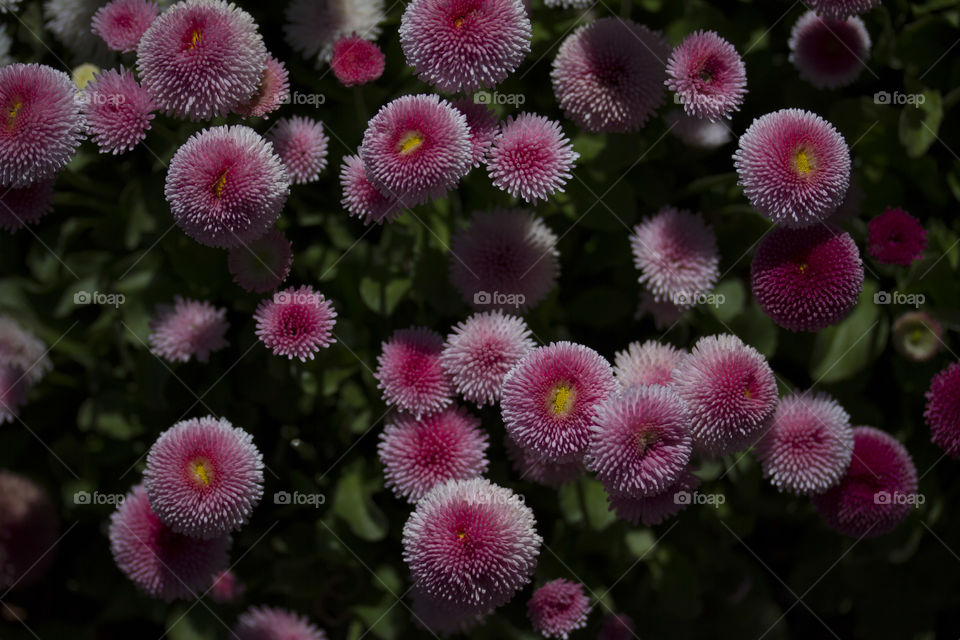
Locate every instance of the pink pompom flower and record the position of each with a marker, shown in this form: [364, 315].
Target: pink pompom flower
[653, 510]
[118, 111]
[829, 53]
[552, 397]
[356, 61]
[296, 322]
[410, 373]
[28, 530]
[226, 186]
[730, 391]
[839, 9]
[418, 454]
[483, 125]
[650, 363]
[161, 562]
[301, 144]
[878, 490]
[534, 468]
[263, 264]
[201, 58]
[188, 329]
[609, 75]
[481, 350]
[806, 448]
[274, 623]
[531, 158]
[26, 205]
[896, 237]
[708, 76]
[505, 259]
[794, 167]
[204, 477]
[272, 91]
[43, 123]
[471, 543]
[121, 23]
[558, 608]
[362, 199]
[942, 412]
[314, 26]
[807, 279]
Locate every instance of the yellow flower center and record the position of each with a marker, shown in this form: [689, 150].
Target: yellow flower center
[803, 267]
[645, 439]
[195, 39]
[803, 162]
[200, 473]
[12, 115]
[917, 335]
[747, 393]
[561, 400]
[220, 184]
[410, 142]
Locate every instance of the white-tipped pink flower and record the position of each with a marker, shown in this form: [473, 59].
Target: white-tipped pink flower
[531, 158]
[650, 363]
[708, 76]
[188, 329]
[410, 373]
[302, 145]
[296, 322]
[121, 23]
[118, 111]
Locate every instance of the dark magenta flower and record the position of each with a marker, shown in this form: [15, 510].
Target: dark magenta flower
[896, 237]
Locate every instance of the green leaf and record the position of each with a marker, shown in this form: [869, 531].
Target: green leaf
[595, 504]
[353, 504]
[920, 121]
[847, 348]
[383, 299]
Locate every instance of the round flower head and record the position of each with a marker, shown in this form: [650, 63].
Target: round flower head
[296, 322]
[551, 399]
[619, 626]
[839, 9]
[481, 351]
[274, 623]
[829, 53]
[794, 167]
[676, 253]
[483, 125]
[471, 543]
[13, 392]
[162, 563]
[418, 454]
[916, 336]
[118, 111]
[640, 441]
[534, 468]
[28, 531]
[69, 22]
[557, 608]
[22, 350]
[505, 259]
[301, 144]
[877, 492]
[410, 373]
[273, 90]
[531, 157]
[807, 446]
[43, 124]
[665, 313]
[201, 58]
[708, 76]
[26, 205]
[943, 410]
[263, 264]
[363, 200]
[416, 147]
[226, 186]
[226, 587]
[697, 132]
[896, 237]
[356, 61]
[653, 510]
[189, 328]
[650, 363]
[464, 45]
[807, 279]
[314, 26]
[121, 23]
[204, 477]
[730, 392]
[609, 75]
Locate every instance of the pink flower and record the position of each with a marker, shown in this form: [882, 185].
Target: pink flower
[263, 264]
[418, 454]
[20, 349]
[730, 392]
[296, 322]
[531, 157]
[189, 328]
[361, 198]
[410, 373]
[272, 91]
[301, 144]
[226, 587]
[226, 186]
[13, 392]
[609, 75]
[464, 45]
[552, 398]
[162, 563]
[29, 526]
[653, 510]
[314, 26]
[807, 279]
[708, 76]
[201, 58]
[26, 205]
[274, 623]
[794, 167]
[118, 111]
[483, 126]
[842, 8]
[650, 363]
[356, 61]
[558, 608]
[943, 410]
[121, 23]
[896, 237]
[829, 53]
[43, 123]
[534, 468]
[481, 351]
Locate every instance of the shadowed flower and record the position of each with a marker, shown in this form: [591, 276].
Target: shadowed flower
[557, 608]
[22, 350]
[534, 468]
[896, 237]
[708, 76]
[226, 587]
[28, 530]
[442, 617]
[842, 8]
[296, 322]
[531, 158]
[13, 392]
[314, 26]
[829, 53]
[619, 626]
[118, 111]
[697, 132]
[301, 144]
[362, 199]
[483, 125]
[121, 23]
[410, 373]
[916, 336]
[189, 328]
[69, 22]
[263, 264]
[27, 205]
[356, 61]
[274, 623]
[650, 363]
[943, 410]
[653, 510]
[272, 91]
